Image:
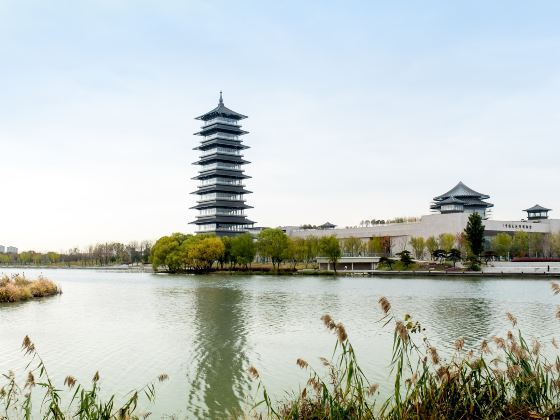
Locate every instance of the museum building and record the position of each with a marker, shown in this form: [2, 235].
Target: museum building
[450, 214]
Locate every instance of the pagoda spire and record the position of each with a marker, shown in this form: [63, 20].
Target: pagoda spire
[221, 99]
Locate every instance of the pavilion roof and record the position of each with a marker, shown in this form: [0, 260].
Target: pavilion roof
[461, 191]
[221, 111]
[537, 207]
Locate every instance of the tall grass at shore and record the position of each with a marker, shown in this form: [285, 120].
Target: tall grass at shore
[16, 399]
[17, 288]
[503, 377]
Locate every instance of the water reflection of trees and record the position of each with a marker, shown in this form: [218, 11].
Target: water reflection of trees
[218, 374]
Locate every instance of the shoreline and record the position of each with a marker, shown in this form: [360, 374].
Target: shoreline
[311, 272]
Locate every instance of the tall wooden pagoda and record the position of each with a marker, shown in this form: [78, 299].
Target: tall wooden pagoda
[221, 193]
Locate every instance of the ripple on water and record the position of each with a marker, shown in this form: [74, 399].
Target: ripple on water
[205, 331]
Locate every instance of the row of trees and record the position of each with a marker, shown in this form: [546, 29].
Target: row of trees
[524, 244]
[101, 254]
[179, 252]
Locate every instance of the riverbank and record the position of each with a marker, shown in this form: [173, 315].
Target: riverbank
[17, 288]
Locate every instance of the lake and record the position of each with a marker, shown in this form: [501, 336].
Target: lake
[205, 331]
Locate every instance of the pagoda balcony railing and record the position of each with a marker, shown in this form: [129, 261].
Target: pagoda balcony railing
[226, 136]
[214, 212]
[220, 196]
[224, 166]
[224, 150]
[221, 181]
[231, 228]
[222, 120]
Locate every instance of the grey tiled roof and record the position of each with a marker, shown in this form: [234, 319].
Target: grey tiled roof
[537, 207]
[222, 111]
[461, 191]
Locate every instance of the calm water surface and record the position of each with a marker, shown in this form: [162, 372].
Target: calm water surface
[205, 331]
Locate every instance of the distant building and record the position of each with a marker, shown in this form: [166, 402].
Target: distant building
[11, 250]
[221, 193]
[537, 212]
[461, 199]
[2, 249]
[452, 213]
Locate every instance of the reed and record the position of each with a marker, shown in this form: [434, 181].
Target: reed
[16, 399]
[17, 288]
[503, 377]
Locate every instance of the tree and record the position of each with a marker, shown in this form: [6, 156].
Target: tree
[330, 248]
[520, 244]
[535, 244]
[375, 246]
[474, 232]
[273, 244]
[501, 244]
[439, 255]
[352, 246]
[202, 251]
[446, 241]
[432, 245]
[243, 249]
[454, 255]
[226, 256]
[167, 252]
[418, 245]
[386, 261]
[405, 258]
[311, 249]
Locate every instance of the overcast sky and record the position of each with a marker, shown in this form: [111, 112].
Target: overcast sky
[356, 110]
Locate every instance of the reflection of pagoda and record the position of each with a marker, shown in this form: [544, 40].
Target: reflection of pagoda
[461, 199]
[537, 212]
[221, 204]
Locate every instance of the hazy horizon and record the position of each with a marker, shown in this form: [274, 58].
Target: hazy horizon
[357, 110]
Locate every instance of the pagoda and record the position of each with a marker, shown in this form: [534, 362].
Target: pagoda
[221, 193]
[461, 199]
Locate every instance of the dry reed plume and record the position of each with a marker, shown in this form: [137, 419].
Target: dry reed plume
[499, 378]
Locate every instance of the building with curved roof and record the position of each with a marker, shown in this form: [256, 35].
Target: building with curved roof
[461, 199]
[537, 212]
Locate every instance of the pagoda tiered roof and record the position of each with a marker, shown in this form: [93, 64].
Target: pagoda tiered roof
[221, 111]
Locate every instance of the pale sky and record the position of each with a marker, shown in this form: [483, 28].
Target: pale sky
[357, 109]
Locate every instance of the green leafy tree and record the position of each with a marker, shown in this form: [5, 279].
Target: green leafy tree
[474, 233]
[446, 241]
[520, 244]
[439, 255]
[418, 245]
[386, 261]
[226, 257]
[454, 255]
[167, 252]
[375, 246]
[311, 249]
[432, 245]
[202, 251]
[405, 258]
[273, 244]
[501, 244]
[352, 246]
[330, 247]
[243, 249]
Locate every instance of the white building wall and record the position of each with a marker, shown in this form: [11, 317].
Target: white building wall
[429, 225]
